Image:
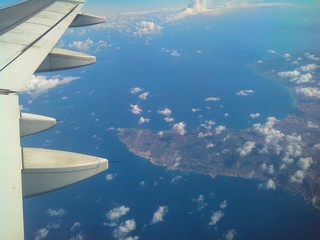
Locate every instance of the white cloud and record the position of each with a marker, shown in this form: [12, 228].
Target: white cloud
[135, 109]
[41, 234]
[79, 236]
[312, 92]
[224, 204]
[272, 136]
[216, 217]
[305, 163]
[219, 129]
[135, 90]
[159, 215]
[245, 92]
[169, 119]
[246, 148]
[145, 28]
[144, 96]
[109, 177]
[179, 128]
[173, 53]
[116, 213]
[312, 125]
[213, 99]
[286, 55]
[82, 45]
[75, 226]
[200, 201]
[312, 57]
[269, 185]
[229, 235]
[143, 120]
[195, 109]
[254, 115]
[272, 51]
[309, 67]
[269, 169]
[290, 74]
[165, 111]
[124, 229]
[38, 85]
[297, 177]
[59, 212]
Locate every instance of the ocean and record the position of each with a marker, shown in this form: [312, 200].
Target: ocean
[198, 58]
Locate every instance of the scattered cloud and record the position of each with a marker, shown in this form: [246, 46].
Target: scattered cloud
[201, 202]
[135, 109]
[254, 115]
[312, 57]
[59, 212]
[78, 236]
[169, 119]
[159, 215]
[311, 92]
[212, 99]
[245, 92]
[297, 177]
[180, 128]
[41, 234]
[223, 204]
[173, 53]
[268, 169]
[219, 129]
[165, 111]
[216, 217]
[246, 148]
[145, 28]
[311, 124]
[269, 185]
[75, 226]
[195, 109]
[82, 45]
[230, 235]
[122, 231]
[38, 85]
[135, 90]
[144, 96]
[309, 67]
[115, 214]
[109, 177]
[305, 163]
[143, 120]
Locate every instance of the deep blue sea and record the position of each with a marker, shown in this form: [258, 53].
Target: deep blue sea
[215, 54]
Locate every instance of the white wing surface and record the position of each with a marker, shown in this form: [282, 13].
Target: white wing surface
[28, 33]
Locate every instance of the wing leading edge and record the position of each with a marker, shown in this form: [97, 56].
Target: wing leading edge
[28, 34]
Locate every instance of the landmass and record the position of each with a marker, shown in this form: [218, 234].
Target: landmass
[281, 153]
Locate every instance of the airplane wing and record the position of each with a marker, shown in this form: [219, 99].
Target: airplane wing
[28, 33]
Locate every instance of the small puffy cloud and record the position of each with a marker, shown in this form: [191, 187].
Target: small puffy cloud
[144, 96]
[254, 115]
[116, 213]
[272, 51]
[38, 85]
[159, 215]
[311, 92]
[312, 57]
[175, 53]
[78, 236]
[165, 111]
[286, 55]
[200, 201]
[305, 163]
[269, 185]
[75, 226]
[109, 177]
[224, 204]
[245, 92]
[143, 120]
[82, 45]
[269, 169]
[135, 109]
[212, 99]
[246, 148]
[297, 177]
[309, 67]
[59, 212]
[290, 74]
[195, 109]
[229, 235]
[41, 234]
[216, 217]
[219, 129]
[312, 125]
[124, 229]
[180, 128]
[273, 137]
[135, 90]
[169, 119]
[145, 28]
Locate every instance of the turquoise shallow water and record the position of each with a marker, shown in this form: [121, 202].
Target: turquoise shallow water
[101, 99]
